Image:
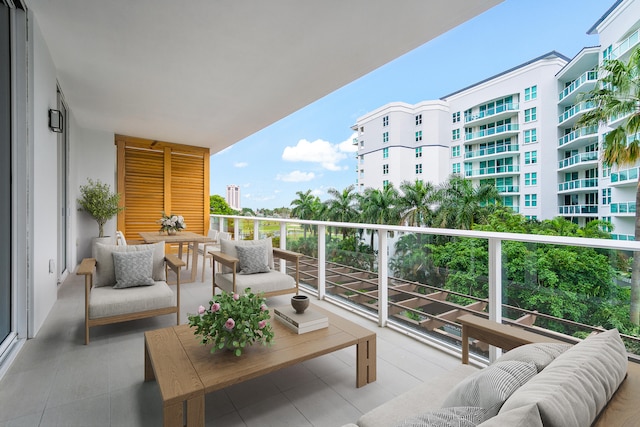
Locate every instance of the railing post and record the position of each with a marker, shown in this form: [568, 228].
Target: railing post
[383, 278]
[283, 245]
[495, 289]
[256, 229]
[322, 260]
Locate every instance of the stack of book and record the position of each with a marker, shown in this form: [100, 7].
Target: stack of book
[300, 323]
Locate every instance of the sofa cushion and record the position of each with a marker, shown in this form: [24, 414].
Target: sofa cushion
[105, 270]
[133, 269]
[491, 386]
[229, 247]
[573, 389]
[263, 282]
[107, 301]
[540, 354]
[252, 259]
[526, 416]
[447, 417]
[423, 397]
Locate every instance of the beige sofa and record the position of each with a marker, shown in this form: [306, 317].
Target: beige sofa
[544, 384]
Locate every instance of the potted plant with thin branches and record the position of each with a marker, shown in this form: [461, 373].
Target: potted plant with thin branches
[97, 199]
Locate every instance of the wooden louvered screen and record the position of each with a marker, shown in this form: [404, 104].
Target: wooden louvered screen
[155, 176]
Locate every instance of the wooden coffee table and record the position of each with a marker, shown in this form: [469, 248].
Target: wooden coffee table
[186, 370]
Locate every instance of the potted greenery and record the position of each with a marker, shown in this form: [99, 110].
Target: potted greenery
[98, 201]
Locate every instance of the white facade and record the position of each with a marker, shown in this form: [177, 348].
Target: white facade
[516, 129]
[233, 197]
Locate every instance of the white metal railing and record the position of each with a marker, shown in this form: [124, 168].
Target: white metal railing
[494, 239]
[591, 130]
[625, 45]
[578, 158]
[588, 76]
[571, 112]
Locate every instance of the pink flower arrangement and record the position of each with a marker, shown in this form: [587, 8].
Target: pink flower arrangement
[233, 321]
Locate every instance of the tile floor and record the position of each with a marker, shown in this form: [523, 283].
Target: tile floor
[58, 381]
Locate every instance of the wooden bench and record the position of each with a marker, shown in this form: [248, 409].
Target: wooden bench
[622, 410]
[506, 337]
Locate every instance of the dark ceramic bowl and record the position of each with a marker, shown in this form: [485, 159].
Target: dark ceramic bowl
[300, 303]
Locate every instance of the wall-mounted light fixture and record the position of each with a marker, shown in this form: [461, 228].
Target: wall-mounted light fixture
[55, 120]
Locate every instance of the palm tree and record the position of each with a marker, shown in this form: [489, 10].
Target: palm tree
[380, 207]
[618, 95]
[303, 207]
[416, 202]
[463, 204]
[341, 207]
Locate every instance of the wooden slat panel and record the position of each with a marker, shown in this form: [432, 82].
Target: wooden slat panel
[156, 176]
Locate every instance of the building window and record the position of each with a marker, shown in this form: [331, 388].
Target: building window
[607, 52]
[385, 121]
[606, 170]
[606, 196]
[361, 144]
[531, 93]
[385, 153]
[455, 168]
[385, 184]
[419, 136]
[530, 157]
[419, 168]
[530, 114]
[418, 152]
[456, 117]
[455, 134]
[530, 136]
[531, 178]
[385, 137]
[530, 200]
[418, 119]
[467, 115]
[455, 151]
[385, 169]
[531, 217]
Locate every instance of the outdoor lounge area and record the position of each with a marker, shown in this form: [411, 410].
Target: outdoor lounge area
[58, 381]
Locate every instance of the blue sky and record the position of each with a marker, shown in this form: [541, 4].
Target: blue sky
[311, 148]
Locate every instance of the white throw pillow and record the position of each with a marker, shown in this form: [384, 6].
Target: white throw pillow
[540, 354]
[447, 417]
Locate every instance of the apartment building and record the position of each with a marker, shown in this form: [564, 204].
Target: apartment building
[233, 196]
[516, 130]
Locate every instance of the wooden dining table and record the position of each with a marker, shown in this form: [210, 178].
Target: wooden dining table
[181, 237]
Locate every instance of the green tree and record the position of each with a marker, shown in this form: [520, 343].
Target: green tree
[218, 205]
[616, 96]
[379, 207]
[416, 202]
[463, 204]
[305, 207]
[341, 207]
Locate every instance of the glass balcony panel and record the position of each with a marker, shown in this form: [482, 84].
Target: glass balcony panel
[578, 158]
[511, 127]
[591, 130]
[585, 105]
[623, 208]
[589, 76]
[625, 45]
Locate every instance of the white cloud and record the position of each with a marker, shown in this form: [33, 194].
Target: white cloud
[320, 151]
[318, 192]
[296, 176]
[240, 164]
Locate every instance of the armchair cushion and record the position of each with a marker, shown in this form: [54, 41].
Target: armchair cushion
[253, 259]
[133, 269]
[264, 282]
[105, 269]
[106, 301]
[229, 247]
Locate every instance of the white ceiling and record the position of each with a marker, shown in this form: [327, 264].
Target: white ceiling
[211, 72]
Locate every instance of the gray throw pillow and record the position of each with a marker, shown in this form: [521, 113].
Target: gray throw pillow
[252, 259]
[447, 417]
[105, 274]
[133, 269]
[540, 354]
[229, 247]
[491, 386]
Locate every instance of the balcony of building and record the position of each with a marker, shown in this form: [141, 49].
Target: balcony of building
[578, 185]
[624, 178]
[508, 189]
[584, 83]
[623, 237]
[491, 152]
[499, 112]
[579, 138]
[626, 45]
[571, 116]
[577, 210]
[623, 209]
[493, 171]
[502, 131]
[578, 162]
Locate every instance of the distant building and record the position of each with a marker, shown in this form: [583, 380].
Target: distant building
[233, 197]
[517, 131]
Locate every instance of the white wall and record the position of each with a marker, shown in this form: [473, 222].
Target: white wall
[44, 209]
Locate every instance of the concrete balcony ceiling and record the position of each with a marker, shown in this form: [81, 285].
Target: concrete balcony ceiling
[210, 73]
